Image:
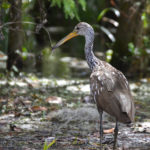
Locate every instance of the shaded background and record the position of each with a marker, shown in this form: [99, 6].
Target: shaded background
[28, 28]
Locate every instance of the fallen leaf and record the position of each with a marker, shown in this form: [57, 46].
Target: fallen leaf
[17, 114]
[39, 108]
[27, 102]
[108, 131]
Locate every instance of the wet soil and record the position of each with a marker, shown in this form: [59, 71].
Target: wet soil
[61, 112]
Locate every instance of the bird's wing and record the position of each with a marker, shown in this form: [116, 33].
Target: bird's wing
[113, 90]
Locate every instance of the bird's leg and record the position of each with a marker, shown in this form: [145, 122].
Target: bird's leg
[101, 129]
[115, 135]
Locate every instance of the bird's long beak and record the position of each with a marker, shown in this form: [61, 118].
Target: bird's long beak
[65, 39]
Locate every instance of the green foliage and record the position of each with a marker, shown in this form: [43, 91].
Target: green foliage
[5, 5]
[47, 146]
[83, 4]
[4, 10]
[145, 21]
[113, 22]
[70, 10]
[146, 41]
[24, 53]
[70, 7]
[140, 57]
[109, 54]
[56, 3]
[131, 48]
[102, 13]
[137, 51]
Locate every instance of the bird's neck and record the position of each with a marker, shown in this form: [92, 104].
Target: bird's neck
[90, 57]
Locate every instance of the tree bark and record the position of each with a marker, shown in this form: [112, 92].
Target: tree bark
[0, 20]
[129, 30]
[15, 39]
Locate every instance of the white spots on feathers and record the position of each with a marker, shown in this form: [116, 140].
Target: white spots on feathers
[125, 80]
[101, 64]
[126, 83]
[98, 92]
[97, 74]
[99, 78]
[101, 89]
[107, 75]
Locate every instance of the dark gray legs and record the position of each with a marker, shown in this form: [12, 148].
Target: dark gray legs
[115, 135]
[101, 132]
[101, 129]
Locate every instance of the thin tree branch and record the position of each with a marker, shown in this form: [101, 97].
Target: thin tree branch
[28, 22]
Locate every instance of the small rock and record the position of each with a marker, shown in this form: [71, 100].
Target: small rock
[54, 100]
[49, 139]
[88, 99]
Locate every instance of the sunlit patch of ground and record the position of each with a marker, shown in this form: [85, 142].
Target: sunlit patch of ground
[34, 110]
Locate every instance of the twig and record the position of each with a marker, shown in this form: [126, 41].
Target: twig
[28, 22]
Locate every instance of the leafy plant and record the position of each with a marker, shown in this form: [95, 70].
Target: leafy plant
[47, 146]
[109, 54]
[70, 7]
[145, 20]
[113, 22]
[103, 12]
[140, 57]
[5, 5]
[136, 52]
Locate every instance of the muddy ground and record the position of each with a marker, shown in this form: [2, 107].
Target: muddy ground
[61, 112]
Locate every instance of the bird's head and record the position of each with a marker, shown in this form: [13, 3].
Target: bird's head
[82, 28]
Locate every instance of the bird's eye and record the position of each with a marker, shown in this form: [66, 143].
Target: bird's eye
[77, 28]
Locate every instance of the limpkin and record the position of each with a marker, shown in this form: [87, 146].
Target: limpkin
[109, 87]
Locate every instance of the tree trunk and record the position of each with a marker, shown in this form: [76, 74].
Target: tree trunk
[129, 30]
[1, 34]
[15, 38]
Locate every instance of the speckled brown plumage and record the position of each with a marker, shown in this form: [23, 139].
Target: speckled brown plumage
[111, 92]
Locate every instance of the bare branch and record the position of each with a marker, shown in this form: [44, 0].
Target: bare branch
[28, 22]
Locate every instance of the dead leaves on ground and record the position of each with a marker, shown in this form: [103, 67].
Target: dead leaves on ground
[38, 108]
